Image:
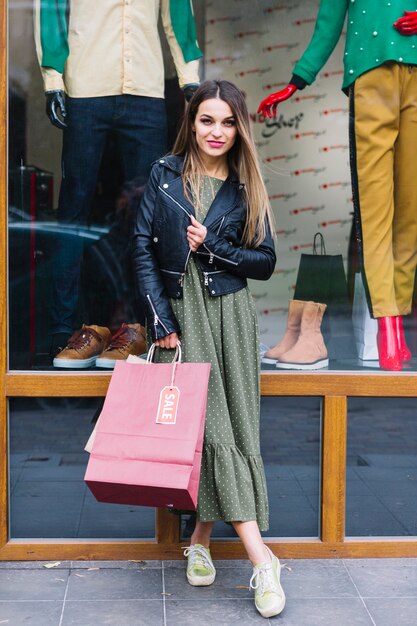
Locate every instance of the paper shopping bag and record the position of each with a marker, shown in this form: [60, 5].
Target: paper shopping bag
[130, 359]
[149, 438]
[364, 326]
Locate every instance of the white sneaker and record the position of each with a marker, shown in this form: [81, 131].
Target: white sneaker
[269, 595]
[200, 569]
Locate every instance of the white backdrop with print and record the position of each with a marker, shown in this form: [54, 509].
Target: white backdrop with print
[304, 151]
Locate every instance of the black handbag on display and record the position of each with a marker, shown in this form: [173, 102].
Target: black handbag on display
[321, 278]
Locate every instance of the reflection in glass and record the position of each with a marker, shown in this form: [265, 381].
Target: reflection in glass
[95, 177]
[381, 481]
[290, 447]
[304, 156]
[48, 496]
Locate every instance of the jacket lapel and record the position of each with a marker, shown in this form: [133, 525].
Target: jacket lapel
[224, 201]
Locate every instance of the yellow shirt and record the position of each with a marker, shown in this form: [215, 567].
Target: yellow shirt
[114, 49]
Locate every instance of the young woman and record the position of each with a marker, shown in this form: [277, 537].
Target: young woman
[204, 227]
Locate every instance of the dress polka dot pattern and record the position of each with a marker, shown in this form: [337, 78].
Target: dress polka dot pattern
[223, 330]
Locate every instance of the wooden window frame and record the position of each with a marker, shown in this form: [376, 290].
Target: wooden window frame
[334, 388]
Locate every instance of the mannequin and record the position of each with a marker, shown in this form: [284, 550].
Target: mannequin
[102, 69]
[381, 80]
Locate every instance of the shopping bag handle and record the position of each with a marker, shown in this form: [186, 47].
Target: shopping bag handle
[177, 356]
[177, 359]
[322, 246]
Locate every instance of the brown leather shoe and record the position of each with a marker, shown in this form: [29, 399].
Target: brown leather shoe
[83, 347]
[129, 339]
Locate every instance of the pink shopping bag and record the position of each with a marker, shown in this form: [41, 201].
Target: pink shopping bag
[148, 441]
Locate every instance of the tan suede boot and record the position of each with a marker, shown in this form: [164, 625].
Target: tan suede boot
[289, 339]
[309, 353]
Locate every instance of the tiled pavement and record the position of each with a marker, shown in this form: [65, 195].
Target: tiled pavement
[365, 592]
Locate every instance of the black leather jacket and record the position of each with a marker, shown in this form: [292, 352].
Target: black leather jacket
[161, 251]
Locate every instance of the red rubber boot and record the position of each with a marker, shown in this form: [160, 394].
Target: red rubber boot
[405, 353]
[388, 350]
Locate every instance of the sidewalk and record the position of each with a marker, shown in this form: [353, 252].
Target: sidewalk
[359, 592]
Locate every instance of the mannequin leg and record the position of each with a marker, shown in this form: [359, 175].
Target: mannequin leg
[83, 145]
[405, 353]
[388, 349]
[141, 128]
[374, 125]
[405, 201]
[140, 124]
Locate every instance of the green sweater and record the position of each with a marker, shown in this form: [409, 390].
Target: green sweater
[371, 38]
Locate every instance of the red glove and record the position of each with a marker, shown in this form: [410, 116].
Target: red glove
[268, 107]
[407, 25]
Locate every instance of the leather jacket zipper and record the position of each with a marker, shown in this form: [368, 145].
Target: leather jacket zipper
[221, 224]
[156, 319]
[173, 200]
[180, 274]
[212, 255]
[218, 257]
[206, 275]
[186, 263]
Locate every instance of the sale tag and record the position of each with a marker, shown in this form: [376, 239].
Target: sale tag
[168, 405]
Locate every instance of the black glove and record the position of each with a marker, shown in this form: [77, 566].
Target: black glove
[55, 102]
[189, 90]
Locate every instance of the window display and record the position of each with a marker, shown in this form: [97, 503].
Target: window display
[124, 94]
[380, 76]
[69, 230]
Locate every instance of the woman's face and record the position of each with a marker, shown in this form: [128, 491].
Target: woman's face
[214, 127]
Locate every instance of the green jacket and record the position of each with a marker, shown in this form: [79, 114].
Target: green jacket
[371, 38]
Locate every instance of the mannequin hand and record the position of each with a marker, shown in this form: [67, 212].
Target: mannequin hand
[189, 90]
[407, 25]
[167, 342]
[268, 107]
[196, 233]
[55, 101]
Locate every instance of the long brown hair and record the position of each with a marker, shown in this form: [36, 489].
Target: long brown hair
[242, 157]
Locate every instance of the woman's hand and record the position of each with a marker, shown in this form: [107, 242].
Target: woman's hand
[196, 234]
[169, 341]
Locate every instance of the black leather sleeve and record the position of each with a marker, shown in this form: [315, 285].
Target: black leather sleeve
[160, 315]
[257, 263]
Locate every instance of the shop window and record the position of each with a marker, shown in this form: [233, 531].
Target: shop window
[47, 463]
[381, 480]
[304, 154]
[290, 448]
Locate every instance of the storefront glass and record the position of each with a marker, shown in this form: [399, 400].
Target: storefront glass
[48, 495]
[304, 153]
[381, 481]
[291, 450]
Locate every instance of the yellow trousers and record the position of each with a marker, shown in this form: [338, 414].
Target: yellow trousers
[383, 134]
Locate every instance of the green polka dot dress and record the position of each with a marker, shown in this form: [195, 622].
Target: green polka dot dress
[223, 330]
